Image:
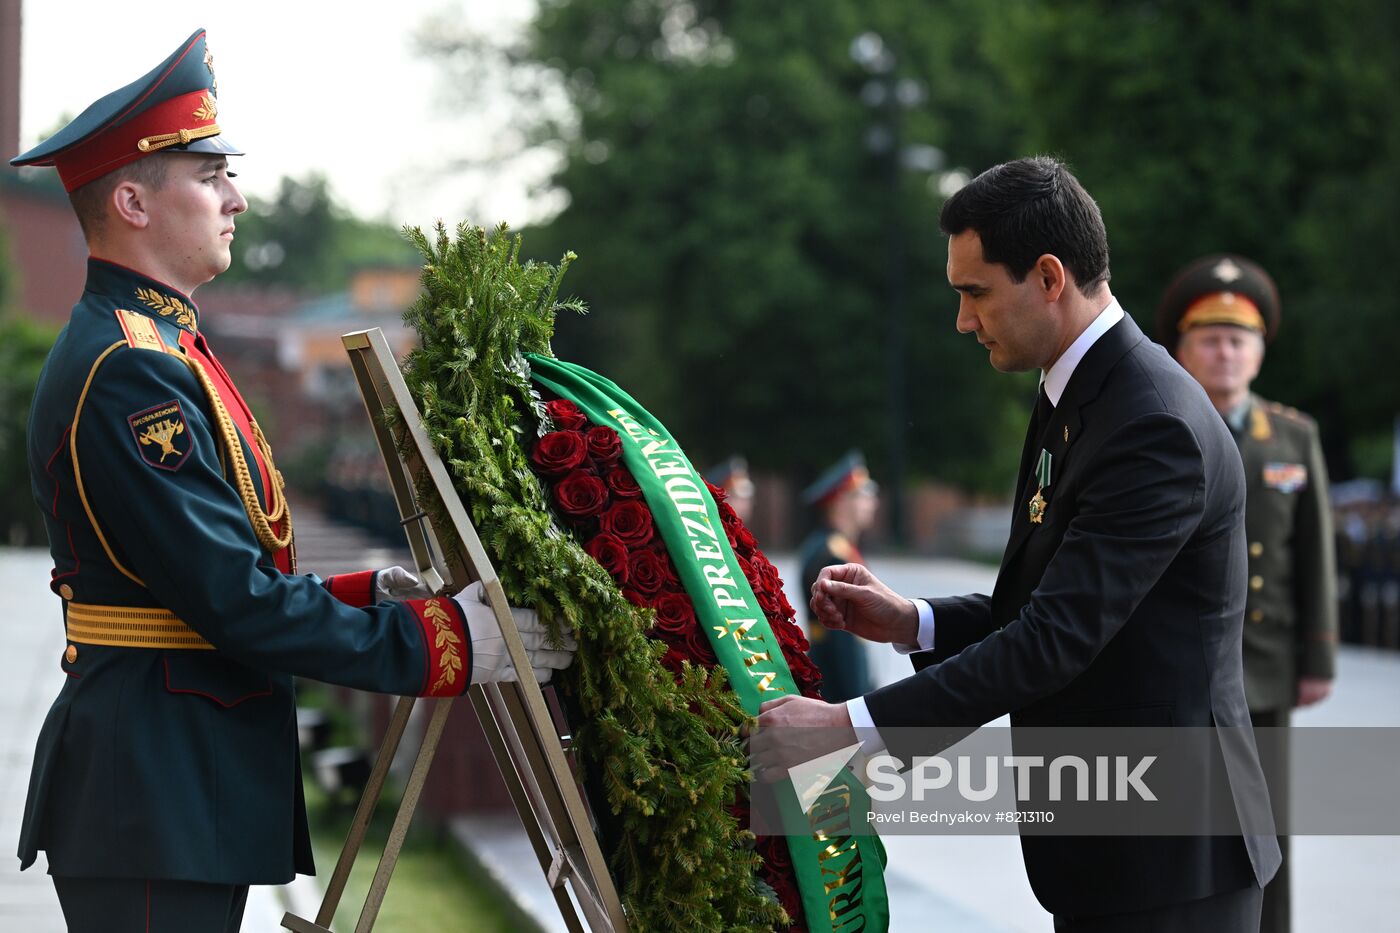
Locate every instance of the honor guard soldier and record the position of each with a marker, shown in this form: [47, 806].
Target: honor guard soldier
[732, 476]
[166, 775]
[1217, 316]
[844, 499]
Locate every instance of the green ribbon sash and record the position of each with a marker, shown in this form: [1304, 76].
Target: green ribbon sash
[840, 864]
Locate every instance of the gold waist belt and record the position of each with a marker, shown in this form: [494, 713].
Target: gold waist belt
[131, 627]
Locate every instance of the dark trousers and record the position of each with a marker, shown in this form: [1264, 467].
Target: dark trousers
[1231, 912]
[134, 905]
[1273, 756]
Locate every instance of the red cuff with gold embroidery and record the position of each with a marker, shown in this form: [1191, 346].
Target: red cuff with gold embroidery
[449, 667]
[354, 589]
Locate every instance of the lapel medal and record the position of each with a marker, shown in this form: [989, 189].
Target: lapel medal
[1042, 477]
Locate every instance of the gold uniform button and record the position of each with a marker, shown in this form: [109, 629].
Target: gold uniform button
[1256, 582]
[1257, 615]
[1256, 549]
[65, 591]
[70, 654]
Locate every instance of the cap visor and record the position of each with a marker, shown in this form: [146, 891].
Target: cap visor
[211, 144]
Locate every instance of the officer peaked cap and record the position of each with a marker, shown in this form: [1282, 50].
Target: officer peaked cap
[173, 107]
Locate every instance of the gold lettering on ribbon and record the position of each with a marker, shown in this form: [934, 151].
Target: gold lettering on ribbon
[830, 818]
[752, 649]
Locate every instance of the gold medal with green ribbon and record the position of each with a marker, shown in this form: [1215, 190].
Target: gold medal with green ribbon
[1042, 478]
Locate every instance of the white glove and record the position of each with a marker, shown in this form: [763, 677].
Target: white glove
[490, 659]
[398, 583]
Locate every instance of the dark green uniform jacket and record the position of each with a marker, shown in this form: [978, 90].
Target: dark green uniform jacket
[839, 655]
[181, 763]
[1290, 628]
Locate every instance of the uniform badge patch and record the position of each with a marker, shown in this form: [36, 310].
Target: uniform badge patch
[160, 435]
[1285, 477]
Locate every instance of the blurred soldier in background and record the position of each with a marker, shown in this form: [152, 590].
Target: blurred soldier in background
[1217, 316]
[845, 498]
[732, 476]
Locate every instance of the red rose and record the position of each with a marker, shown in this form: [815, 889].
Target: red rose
[632, 596]
[630, 520]
[611, 554]
[777, 860]
[581, 494]
[786, 888]
[697, 643]
[750, 573]
[718, 493]
[648, 571]
[566, 415]
[675, 614]
[673, 657]
[746, 540]
[767, 602]
[604, 444]
[622, 484]
[727, 513]
[559, 452]
[767, 573]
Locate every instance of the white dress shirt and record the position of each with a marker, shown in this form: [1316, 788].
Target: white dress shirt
[1053, 381]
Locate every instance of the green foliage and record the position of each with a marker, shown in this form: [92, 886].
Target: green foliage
[667, 756]
[1271, 130]
[739, 232]
[303, 238]
[24, 345]
[737, 229]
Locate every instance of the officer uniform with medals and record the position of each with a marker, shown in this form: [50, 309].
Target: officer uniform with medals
[166, 776]
[841, 656]
[1290, 629]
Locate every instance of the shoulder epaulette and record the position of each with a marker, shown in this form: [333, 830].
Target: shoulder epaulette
[842, 548]
[141, 332]
[1288, 412]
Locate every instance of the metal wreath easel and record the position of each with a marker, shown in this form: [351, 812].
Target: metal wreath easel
[514, 716]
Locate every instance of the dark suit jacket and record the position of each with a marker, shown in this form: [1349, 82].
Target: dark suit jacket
[1123, 608]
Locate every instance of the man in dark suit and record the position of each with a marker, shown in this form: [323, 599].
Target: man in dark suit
[1217, 316]
[1121, 592]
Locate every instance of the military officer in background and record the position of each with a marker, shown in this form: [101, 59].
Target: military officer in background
[166, 775]
[1217, 316]
[845, 499]
[732, 475]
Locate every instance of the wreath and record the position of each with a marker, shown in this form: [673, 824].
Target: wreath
[551, 462]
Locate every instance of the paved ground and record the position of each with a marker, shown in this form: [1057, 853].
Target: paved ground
[950, 884]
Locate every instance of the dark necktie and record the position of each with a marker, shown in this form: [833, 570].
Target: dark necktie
[1044, 411]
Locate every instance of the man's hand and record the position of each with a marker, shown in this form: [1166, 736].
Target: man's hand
[491, 659]
[398, 583]
[850, 597]
[796, 729]
[1312, 690]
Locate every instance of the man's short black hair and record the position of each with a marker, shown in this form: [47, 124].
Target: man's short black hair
[1024, 209]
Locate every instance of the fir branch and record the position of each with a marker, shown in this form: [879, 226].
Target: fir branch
[666, 754]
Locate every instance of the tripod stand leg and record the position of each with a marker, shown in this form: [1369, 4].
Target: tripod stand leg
[355, 838]
[411, 793]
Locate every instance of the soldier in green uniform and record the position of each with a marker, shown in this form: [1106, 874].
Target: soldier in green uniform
[845, 499]
[166, 775]
[1217, 316]
[732, 475]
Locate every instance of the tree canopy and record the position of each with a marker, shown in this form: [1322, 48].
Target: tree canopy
[738, 223]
